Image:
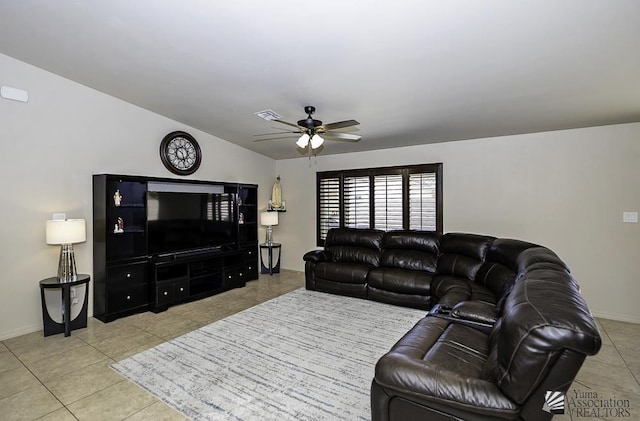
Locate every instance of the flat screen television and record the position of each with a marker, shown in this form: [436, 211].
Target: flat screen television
[189, 220]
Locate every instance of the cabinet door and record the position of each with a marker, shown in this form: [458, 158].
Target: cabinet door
[234, 277]
[247, 213]
[120, 300]
[124, 276]
[127, 287]
[126, 218]
[164, 295]
[250, 261]
[181, 290]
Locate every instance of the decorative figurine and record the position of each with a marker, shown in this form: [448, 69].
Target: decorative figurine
[241, 218]
[119, 226]
[276, 195]
[117, 198]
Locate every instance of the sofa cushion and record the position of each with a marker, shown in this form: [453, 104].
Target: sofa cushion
[353, 245]
[341, 288]
[401, 280]
[462, 254]
[350, 273]
[418, 301]
[498, 272]
[411, 250]
[440, 363]
[481, 294]
[449, 290]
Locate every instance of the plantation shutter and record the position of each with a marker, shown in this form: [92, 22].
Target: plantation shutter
[328, 205]
[356, 202]
[422, 201]
[390, 198]
[211, 214]
[225, 207]
[218, 207]
[387, 201]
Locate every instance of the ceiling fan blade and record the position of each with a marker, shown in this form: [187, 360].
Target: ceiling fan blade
[271, 134]
[342, 136]
[338, 125]
[289, 124]
[274, 138]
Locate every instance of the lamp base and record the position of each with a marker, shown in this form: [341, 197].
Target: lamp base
[67, 264]
[269, 237]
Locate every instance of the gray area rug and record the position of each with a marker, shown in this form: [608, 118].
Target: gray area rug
[305, 355]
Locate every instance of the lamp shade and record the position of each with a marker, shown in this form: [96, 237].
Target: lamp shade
[303, 141]
[67, 231]
[316, 141]
[269, 218]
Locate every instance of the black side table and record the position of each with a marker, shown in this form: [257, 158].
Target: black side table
[272, 268]
[51, 327]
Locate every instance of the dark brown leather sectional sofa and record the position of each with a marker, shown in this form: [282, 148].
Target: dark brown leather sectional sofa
[504, 323]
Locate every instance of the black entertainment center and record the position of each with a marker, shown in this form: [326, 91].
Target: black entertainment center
[160, 242]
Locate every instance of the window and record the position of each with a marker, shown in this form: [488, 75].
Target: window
[328, 205]
[387, 202]
[356, 202]
[383, 198]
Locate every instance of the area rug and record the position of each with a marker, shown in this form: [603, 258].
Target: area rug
[305, 355]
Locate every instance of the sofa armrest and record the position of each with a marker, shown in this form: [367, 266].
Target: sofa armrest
[475, 311]
[317, 256]
[311, 259]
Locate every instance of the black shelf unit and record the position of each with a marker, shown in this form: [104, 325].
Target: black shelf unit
[128, 279]
[247, 232]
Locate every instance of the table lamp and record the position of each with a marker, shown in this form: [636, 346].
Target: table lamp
[269, 219]
[66, 232]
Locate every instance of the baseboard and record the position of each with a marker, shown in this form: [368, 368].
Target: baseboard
[617, 317]
[20, 331]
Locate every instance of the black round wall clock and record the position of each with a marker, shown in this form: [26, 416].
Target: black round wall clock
[180, 153]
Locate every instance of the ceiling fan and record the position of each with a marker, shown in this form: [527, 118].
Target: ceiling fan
[311, 129]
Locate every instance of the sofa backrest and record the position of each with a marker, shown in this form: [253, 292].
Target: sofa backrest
[502, 266]
[540, 258]
[544, 316]
[412, 250]
[462, 255]
[354, 245]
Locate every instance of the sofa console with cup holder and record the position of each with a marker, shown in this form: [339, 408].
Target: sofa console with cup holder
[504, 322]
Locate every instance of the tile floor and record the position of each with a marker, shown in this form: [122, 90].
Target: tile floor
[58, 378]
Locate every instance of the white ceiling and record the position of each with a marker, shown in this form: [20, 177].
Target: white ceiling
[410, 71]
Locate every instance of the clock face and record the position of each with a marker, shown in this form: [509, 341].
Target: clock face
[180, 153]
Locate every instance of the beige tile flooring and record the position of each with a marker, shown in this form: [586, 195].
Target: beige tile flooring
[58, 378]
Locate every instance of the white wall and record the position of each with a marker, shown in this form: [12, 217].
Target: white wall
[564, 189]
[51, 147]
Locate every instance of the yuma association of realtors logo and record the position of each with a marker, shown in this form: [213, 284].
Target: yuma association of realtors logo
[553, 402]
[586, 404]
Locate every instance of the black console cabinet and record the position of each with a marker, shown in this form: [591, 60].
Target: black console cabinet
[185, 278]
[128, 279]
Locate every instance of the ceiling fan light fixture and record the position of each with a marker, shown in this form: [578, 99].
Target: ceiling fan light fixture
[303, 141]
[316, 141]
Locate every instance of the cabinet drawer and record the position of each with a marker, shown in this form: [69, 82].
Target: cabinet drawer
[171, 292]
[119, 277]
[250, 254]
[164, 295]
[251, 271]
[236, 277]
[125, 299]
[181, 290]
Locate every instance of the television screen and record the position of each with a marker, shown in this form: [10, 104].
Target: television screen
[179, 221]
